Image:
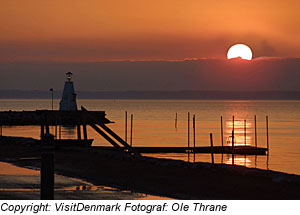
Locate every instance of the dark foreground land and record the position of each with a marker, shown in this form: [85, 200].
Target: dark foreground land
[172, 178]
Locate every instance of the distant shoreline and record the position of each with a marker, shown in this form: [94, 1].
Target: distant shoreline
[157, 95]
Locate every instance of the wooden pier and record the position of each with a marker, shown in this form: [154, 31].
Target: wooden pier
[241, 150]
[77, 119]
[47, 117]
[97, 120]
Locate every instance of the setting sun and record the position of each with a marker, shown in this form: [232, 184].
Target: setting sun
[239, 51]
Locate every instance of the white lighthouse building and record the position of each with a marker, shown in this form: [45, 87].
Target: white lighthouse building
[68, 100]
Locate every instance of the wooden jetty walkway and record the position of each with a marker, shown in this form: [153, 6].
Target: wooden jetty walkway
[241, 150]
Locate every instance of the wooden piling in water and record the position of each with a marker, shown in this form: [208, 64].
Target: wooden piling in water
[232, 147]
[55, 136]
[188, 130]
[78, 131]
[176, 120]
[1, 128]
[233, 123]
[59, 128]
[131, 126]
[47, 128]
[245, 132]
[194, 130]
[212, 149]
[222, 137]
[267, 128]
[188, 126]
[232, 144]
[42, 130]
[194, 135]
[255, 131]
[126, 126]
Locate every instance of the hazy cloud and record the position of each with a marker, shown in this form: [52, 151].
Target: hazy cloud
[202, 74]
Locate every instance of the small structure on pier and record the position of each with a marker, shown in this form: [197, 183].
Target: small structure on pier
[68, 100]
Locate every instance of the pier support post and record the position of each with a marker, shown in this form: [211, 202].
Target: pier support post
[176, 120]
[59, 128]
[47, 167]
[255, 131]
[1, 129]
[212, 150]
[78, 131]
[245, 132]
[55, 136]
[42, 130]
[222, 138]
[233, 123]
[126, 126]
[267, 127]
[188, 134]
[232, 147]
[47, 128]
[131, 126]
[194, 135]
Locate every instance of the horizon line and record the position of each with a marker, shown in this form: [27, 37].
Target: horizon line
[152, 60]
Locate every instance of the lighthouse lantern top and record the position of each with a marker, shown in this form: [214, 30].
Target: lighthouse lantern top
[69, 76]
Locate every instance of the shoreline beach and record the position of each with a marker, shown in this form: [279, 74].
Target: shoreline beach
[163, 177]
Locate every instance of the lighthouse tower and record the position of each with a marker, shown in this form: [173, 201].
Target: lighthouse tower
[68, 100]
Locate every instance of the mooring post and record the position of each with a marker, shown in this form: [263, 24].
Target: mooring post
[131, 126]
[42, 129]
[59, 128]
[47, 167]
[176, 120]
[47, 128]
[126, 126]
[194, 135]
[43, 121]
[188, 130]
[233, 123]
[245, 132]
[78, 131]
[232, 147]
[1, 128]
[267, 126]
[212, 149]
[232, 144]
[55, 127]
[255, 131]
[222, 141]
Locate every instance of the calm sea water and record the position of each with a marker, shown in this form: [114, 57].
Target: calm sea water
[154, 125]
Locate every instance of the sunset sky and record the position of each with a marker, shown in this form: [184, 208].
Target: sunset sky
[92, 30]
[34, 32]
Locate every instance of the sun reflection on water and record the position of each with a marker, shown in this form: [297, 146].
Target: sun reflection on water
[242, 161]
[243, 131]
